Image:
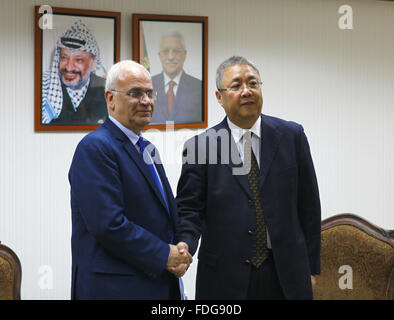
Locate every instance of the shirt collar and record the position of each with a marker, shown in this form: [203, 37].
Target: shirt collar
[167, 79]
[129, 133]
[238, 132]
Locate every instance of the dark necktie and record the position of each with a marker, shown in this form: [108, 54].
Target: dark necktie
[170, 95]
[259, 251]
[142, 144]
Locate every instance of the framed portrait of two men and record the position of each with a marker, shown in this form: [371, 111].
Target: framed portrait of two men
[175, 51]
[73, 51]
[75, 48]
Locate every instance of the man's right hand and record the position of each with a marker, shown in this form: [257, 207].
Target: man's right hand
[179, 260]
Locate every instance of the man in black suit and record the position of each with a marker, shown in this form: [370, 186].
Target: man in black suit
[179, 95]
[248, 188]
[72, 92]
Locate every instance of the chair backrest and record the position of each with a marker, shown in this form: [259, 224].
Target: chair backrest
[10, 274]
[357, 260]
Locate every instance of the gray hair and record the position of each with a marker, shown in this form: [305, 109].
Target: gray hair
[174, 34]
[114, 72]
[234, 60]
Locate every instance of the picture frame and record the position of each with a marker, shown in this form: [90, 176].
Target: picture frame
[175, 50]
[74, 49]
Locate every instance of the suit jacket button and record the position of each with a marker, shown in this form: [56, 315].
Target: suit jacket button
[250, 232]
[247, 261]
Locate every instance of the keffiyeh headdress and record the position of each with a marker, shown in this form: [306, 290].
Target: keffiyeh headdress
[77, 37]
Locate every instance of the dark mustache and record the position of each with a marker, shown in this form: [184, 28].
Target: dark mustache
[74, 72]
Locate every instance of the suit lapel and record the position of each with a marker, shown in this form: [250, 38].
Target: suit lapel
[166, 188]
[269, 145]
[235, 162]
[135, 156]
[138, 159]
[161, 99]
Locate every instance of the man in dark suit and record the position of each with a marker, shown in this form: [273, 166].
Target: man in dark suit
[124, 215]
[249, 188]
[179, 95]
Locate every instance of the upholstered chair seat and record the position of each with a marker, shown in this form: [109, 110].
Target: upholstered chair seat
[10, 274]
[357, 260]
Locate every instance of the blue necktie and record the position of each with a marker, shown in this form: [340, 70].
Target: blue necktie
[141, 144]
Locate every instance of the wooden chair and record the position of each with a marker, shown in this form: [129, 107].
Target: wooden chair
[357, 260]
[10, 274]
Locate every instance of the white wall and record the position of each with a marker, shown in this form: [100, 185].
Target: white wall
[337, 83]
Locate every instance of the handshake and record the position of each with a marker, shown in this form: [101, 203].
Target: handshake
[179, 259]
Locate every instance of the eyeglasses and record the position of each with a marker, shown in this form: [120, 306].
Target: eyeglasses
[176, 52]
[236, 87]
[139, 94]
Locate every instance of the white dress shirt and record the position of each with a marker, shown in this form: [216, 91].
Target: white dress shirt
[133, 137]
[167, 80]
[237, 134]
